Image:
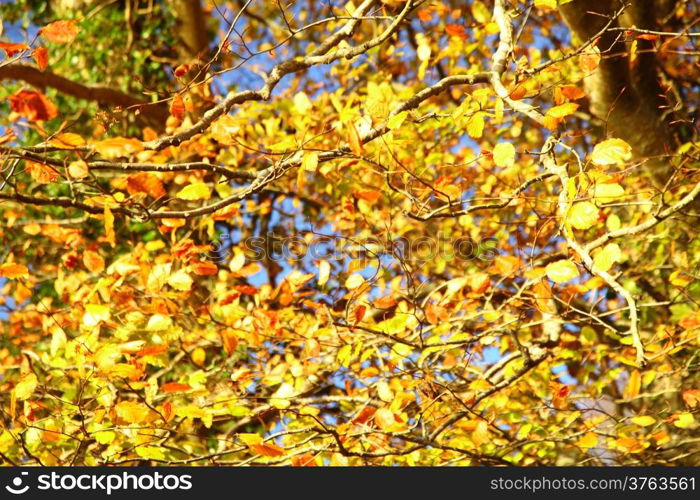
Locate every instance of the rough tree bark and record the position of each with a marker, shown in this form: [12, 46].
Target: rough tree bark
[627, 95]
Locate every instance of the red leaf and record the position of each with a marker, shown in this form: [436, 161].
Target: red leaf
[182, 70]
[41, 56]
[60, 31]
[167, 410]
[32, 105]
[13, 48]
[175, 387]
[360, 313]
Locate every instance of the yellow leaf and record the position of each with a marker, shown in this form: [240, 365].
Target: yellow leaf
[562, 110]
[78, 169]
[606, 193]
[132, 412]
[110, 235]
[198, 355]
[302, 102]
[677, 278]
[150, 452]
[504, 154]
[196, 191]
[117, 147]
[106, 356]
[310, 161]
[611, 152]
[684, 420]
[384, 392]
[633, 385]
[588, 440]
[475, 125]
[67, 140]
[480, 434]
[643, 420]
[546, 5]
[354, 281]
[481, 13]
[94, 314]
[605, 258]
[583, 215]
[25, 387]
[613, 223]
[561, 271]
[13, 271]
[324, 272]
[158, 322]
[104, 437]
[180, 281]
[249, 438]
[396, 120]
[384, 418]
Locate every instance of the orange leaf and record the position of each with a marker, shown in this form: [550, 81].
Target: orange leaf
[13, 271]
[589, 62]
[175, 387]
[63, 31]
[145, 182]
[370, 196]
[110, 236]
[266, 450]
[692, 397]
[93, 261]
[573, 93]
[41, 56]
[177, 107]
[33, 106]
[152, 350]
[13, 48]
[41, 173]
[456, 30]
[203, 268]
[354, 139]
[384, 302]
[518, 92]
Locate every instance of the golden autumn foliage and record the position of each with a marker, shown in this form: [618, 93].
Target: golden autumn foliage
[355, 233]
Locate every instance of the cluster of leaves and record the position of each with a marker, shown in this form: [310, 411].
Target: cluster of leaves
[278, 275]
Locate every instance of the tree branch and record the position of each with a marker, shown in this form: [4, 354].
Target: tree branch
[156, 113]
